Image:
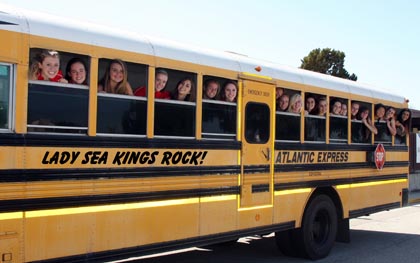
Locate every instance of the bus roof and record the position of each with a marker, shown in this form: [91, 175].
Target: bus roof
[42, 24]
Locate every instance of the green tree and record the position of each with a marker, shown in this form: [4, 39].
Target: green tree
[327, 61]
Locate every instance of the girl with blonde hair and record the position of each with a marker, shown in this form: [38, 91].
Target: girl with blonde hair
[115, 79]
[46, 66]
[295, 104]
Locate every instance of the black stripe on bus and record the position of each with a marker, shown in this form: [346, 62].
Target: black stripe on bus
[253, 169]
[373, 209]
[260, 188]
[21, 175]
[31, 204]
[334, 166]
[339, 181]
[58, 140]
[336, 147]
[76, 201]
[123, 253]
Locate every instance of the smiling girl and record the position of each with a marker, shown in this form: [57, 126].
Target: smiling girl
[46, 66]
[115, 79]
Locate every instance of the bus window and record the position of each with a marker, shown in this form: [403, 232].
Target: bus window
[219, 117]
[60, 109]
[403, 126]
[315, 117]
[288, 116]
[176, 116]
[257, 123]
[315, 128]
[120, 113]
[5, 86]
[384, 135]
[360, 131]
[54, 106]
[338, 120]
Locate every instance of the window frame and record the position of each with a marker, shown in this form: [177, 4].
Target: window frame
[219, 136]
[11, 103]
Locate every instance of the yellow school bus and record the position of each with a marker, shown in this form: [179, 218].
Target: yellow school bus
[88, 176]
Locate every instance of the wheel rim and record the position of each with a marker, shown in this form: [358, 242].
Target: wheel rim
[321, 227]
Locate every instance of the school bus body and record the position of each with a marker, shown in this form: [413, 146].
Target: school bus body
[89, 197]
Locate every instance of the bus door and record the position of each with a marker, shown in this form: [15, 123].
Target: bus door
[258, 109]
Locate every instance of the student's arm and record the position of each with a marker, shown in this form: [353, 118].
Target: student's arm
[370, 126]
[391, 126]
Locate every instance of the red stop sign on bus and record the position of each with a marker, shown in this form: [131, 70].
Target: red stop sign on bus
[379, 156]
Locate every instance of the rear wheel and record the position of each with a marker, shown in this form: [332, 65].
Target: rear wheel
[319, 228]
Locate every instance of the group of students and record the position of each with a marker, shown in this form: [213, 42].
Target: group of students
[228, 92]
[312, 107]
[285, 103]
[396, 125]
[46, 66]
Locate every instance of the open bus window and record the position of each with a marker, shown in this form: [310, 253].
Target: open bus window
[5, 86]
[219, 117]
[315, 123]
[403, 121]
[176, 116]
[73, 68]
[137, 74]
[288, 116]
[360, 133]
[54, 106]
[338, 120]
[119, 113]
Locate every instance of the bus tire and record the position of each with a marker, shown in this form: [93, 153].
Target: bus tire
[286, 242]
[319, 228]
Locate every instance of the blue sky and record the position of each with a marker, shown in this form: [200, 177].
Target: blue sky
[381, 38]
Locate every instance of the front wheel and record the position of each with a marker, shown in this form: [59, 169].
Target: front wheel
[319, 228]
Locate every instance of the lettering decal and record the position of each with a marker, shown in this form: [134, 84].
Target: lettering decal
[124, 157]
[288, 157]
[258, 93]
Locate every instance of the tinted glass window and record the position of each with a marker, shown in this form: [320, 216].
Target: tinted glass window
[338, 129]
[315, 128]
[359, 132]
[257, 123]
[174, 118]
[57, 108]
[287, 126]
[219, 120]
[5, 85]
[383, 135]
[121, 114]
